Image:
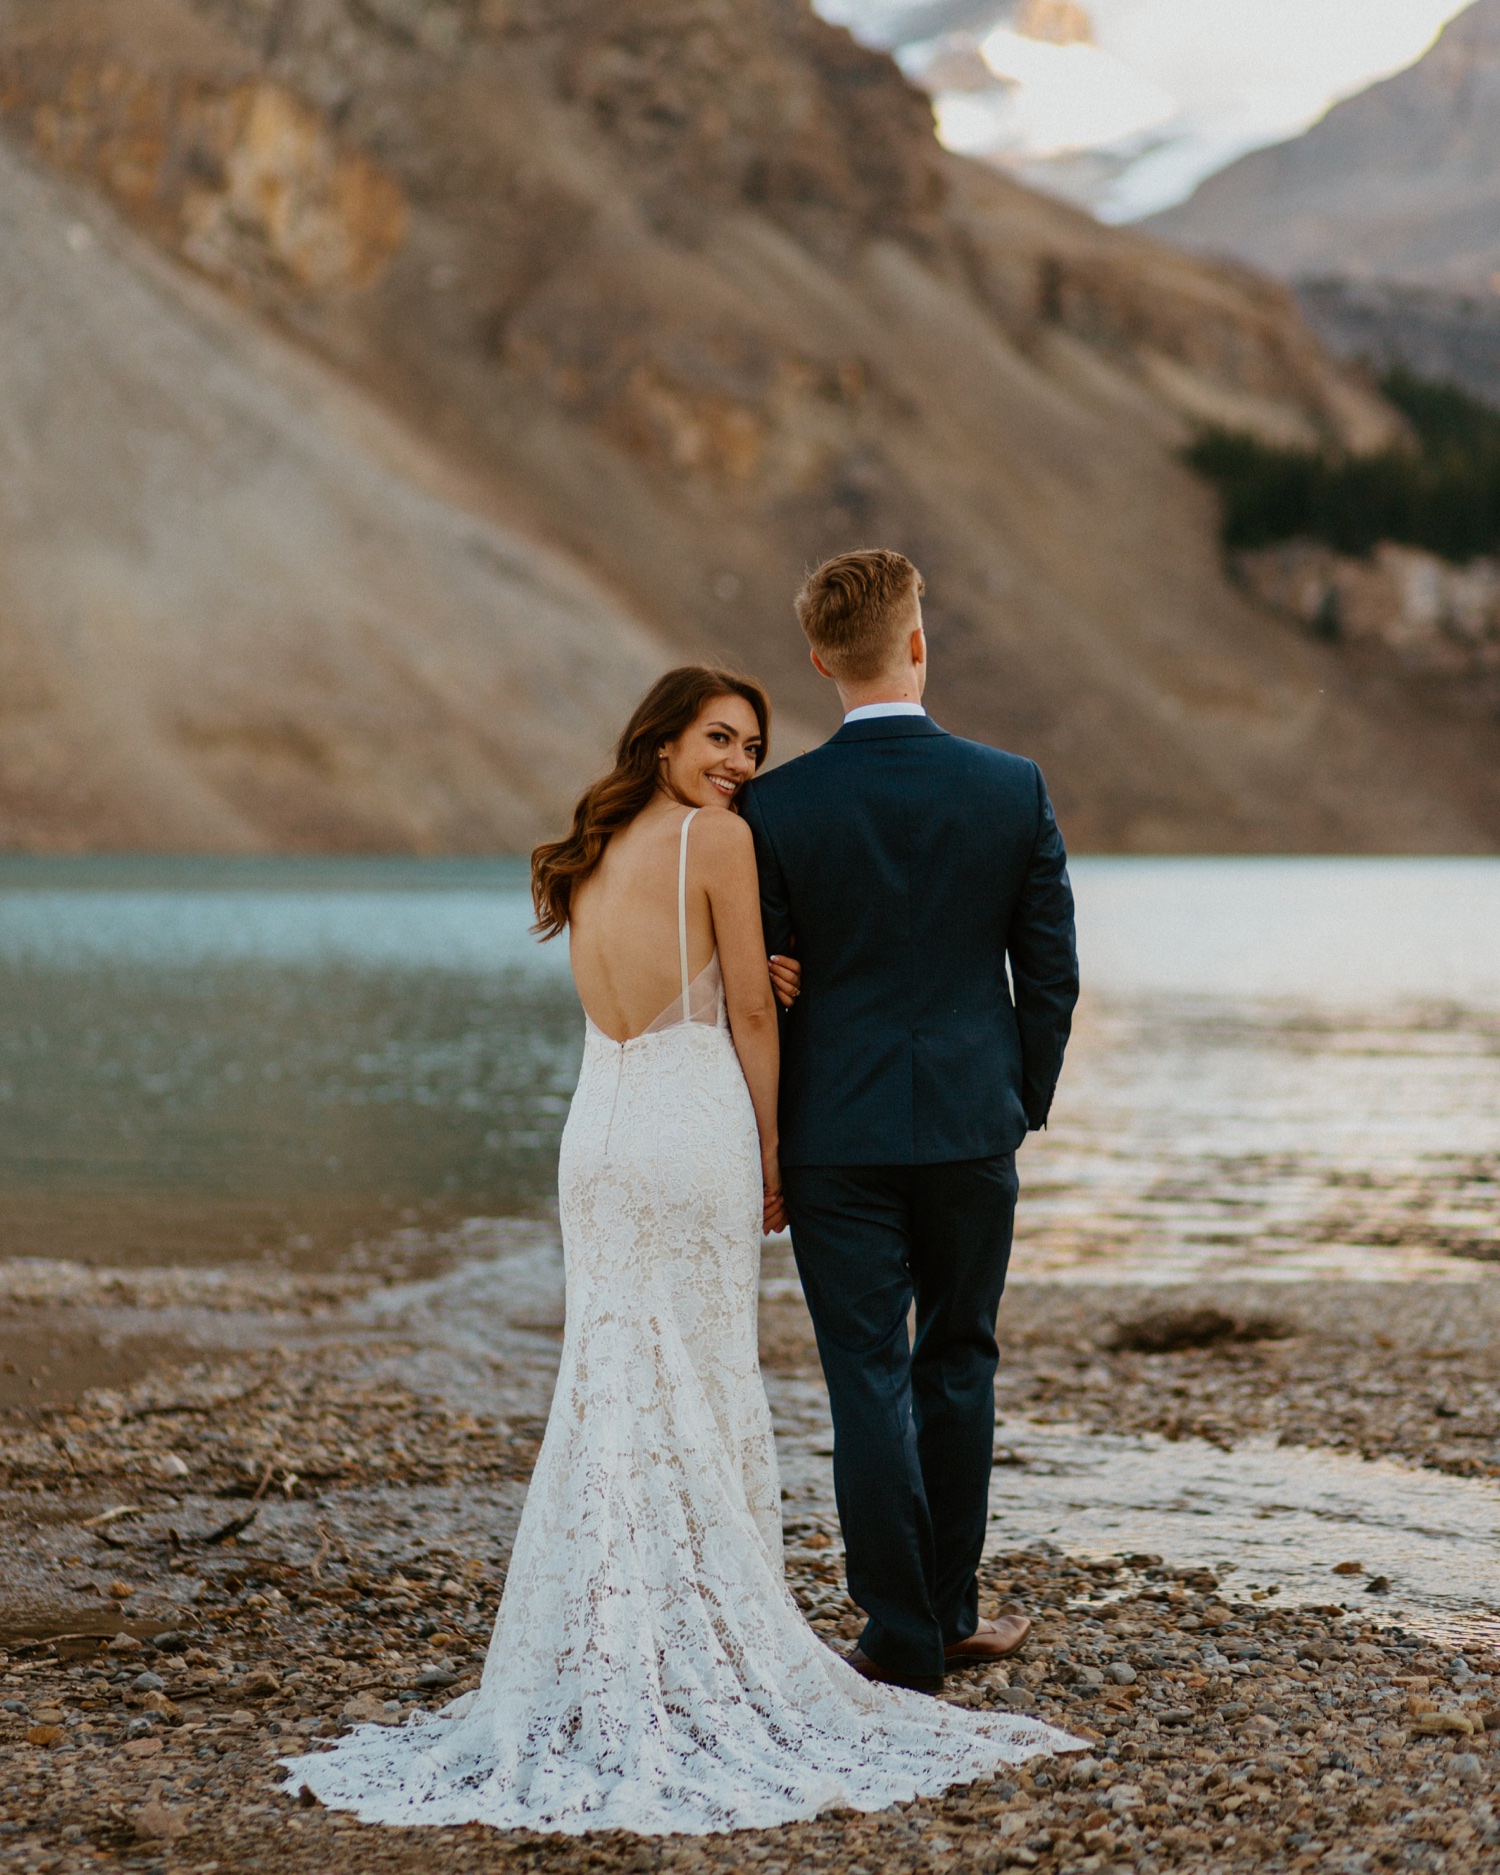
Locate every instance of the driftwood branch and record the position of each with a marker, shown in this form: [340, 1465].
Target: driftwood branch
[113, 1516]
[227, 1530]
[323, 1549]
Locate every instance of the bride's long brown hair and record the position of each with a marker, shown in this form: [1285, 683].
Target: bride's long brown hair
[672, 704]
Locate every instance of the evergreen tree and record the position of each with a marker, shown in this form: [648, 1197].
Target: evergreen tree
[1440, 490]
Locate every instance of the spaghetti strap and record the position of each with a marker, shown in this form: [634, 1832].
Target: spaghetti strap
[682, 945]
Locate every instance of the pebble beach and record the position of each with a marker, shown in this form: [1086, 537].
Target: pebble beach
[222, 1560]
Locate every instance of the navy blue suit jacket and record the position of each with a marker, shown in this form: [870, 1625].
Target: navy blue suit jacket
[905, 865]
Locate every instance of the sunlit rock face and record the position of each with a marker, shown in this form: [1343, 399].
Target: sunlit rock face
[688, 291]
[1434, 615]
[285, 189]
[246, 180]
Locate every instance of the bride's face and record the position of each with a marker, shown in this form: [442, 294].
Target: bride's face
[715, 755]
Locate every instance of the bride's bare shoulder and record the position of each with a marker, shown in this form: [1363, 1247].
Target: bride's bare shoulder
[722, 838]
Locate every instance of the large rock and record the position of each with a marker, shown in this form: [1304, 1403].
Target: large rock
[1433, 615]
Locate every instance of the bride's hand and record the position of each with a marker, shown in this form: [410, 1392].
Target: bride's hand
[773, 1206]
[786, 979]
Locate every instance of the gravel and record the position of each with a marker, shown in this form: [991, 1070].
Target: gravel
[337, 1550]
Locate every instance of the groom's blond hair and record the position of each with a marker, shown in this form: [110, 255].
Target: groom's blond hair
[856, 607]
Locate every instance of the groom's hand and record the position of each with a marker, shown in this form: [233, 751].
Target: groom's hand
[786, 979]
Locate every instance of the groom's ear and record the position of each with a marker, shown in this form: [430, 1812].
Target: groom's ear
[820, 667]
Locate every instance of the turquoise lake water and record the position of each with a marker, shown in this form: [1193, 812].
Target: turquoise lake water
[1280, 1064]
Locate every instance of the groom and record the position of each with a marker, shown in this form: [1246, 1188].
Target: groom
[907, 867]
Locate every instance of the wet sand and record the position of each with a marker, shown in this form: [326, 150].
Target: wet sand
[370, 1438]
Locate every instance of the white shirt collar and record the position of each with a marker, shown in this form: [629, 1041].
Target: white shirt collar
[867, 711]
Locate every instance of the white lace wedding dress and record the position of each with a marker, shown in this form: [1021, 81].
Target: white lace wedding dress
[649, 1670]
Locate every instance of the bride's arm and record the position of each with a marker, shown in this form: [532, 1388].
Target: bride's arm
[734, 901]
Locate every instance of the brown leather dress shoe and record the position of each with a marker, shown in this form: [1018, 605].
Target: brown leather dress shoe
[867, 1669]
[991, 1640]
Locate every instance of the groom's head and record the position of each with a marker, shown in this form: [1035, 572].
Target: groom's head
[863, 617]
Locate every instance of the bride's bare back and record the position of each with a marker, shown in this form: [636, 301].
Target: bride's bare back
[622, 918]
[623, 935]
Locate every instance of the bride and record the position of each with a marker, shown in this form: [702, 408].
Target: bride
[649, 1670]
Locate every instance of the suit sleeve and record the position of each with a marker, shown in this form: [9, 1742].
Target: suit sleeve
[1043, 963]
[775, 910]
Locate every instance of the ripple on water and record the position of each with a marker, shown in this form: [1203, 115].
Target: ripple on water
[1281, 1068]
[1206, 1139]
[1262, 1516]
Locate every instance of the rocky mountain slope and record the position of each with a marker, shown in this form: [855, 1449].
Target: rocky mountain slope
[684, 294]
[238, 608]
[1400, 183]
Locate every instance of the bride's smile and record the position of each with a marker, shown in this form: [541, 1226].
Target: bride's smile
[713, 758]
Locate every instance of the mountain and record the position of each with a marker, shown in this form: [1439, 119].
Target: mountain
[1436, 334]
[1400, 183]
[393, 385]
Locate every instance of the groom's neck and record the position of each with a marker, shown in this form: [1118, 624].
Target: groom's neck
[895, 689]
[903, 680]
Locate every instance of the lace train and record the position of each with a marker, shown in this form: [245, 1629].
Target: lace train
[649, 1669]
